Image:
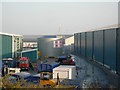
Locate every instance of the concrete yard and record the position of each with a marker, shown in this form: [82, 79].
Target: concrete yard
[92, 74]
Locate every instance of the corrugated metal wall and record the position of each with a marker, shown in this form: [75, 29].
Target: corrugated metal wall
[6, 46]
[89, 45]
[98, 46]
[78, 43]
[102, 46]
[118, 50]
[83, 44]
[32, 55]
[110, 48]
[75, 43]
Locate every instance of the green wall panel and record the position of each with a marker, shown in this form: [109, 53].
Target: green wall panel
[6, 46]
[32, 55]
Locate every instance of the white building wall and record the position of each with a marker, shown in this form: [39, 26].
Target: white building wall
[69, 40]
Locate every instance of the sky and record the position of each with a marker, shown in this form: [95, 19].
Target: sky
[48, 18]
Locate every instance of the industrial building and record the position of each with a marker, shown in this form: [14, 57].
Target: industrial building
[50, 46]
[30, 41]
[11, 45]
[102, 46]
[80, 57]
[69, 45]
[69, 41]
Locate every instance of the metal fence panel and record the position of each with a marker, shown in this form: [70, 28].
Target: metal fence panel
[75, 43]
[110, 48]
[79, 43]
[98, 46]
[89, 44]
[83, 43]
[118, 50]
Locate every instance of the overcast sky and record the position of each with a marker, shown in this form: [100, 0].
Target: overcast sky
[38, 18]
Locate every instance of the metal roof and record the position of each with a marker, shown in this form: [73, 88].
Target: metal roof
[101, 28]
[1, 33]
[33, 38]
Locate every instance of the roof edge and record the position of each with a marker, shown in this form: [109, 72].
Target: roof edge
[1, 33]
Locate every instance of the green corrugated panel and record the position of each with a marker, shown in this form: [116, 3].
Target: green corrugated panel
[6, 46]
[32, 55]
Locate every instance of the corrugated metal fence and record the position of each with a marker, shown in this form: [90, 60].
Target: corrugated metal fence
[102, 46]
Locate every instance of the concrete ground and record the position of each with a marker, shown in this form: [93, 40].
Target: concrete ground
[91, 74]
